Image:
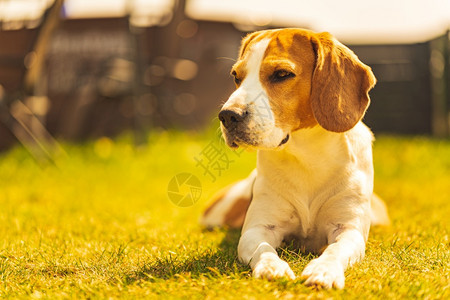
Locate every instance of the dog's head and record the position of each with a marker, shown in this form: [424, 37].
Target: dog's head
[290, 79]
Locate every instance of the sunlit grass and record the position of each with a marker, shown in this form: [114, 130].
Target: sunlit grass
[100, 224]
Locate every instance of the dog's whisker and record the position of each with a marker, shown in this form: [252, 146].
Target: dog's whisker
[226, 58]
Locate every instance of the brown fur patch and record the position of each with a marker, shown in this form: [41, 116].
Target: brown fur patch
[240, 71]
[290, 50]
[250, 39]
[236, 215]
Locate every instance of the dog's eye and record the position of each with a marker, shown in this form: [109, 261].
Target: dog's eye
[281, 75]
[236, 79]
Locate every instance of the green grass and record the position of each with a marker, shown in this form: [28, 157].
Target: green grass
[100, 225]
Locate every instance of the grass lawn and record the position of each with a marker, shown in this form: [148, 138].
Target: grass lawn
[100, 225]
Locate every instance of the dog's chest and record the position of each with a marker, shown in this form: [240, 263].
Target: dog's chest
[306, 230]
[313, 242]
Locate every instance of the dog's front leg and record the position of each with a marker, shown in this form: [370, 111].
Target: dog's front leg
[257, 248]
[346, 247]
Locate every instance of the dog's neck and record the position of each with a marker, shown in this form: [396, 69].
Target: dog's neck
[314, 150]
[316, 142]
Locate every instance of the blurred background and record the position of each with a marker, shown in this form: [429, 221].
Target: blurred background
[81, 69]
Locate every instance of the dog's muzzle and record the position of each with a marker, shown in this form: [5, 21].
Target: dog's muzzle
[236, 124]
[233, 121]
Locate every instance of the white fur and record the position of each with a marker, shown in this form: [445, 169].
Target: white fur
[317, 189]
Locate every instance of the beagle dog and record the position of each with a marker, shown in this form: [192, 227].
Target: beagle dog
[299, 100]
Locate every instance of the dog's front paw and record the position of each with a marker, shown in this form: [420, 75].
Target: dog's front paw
[321, 273]
[271, 267]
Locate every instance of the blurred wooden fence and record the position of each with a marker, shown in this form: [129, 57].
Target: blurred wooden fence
[104, 76]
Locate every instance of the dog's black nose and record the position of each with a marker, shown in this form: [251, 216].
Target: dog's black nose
[230, 118]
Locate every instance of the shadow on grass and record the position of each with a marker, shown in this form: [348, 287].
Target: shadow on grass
[219, 261]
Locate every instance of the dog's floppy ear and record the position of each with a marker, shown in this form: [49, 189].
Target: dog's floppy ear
[340, 85]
